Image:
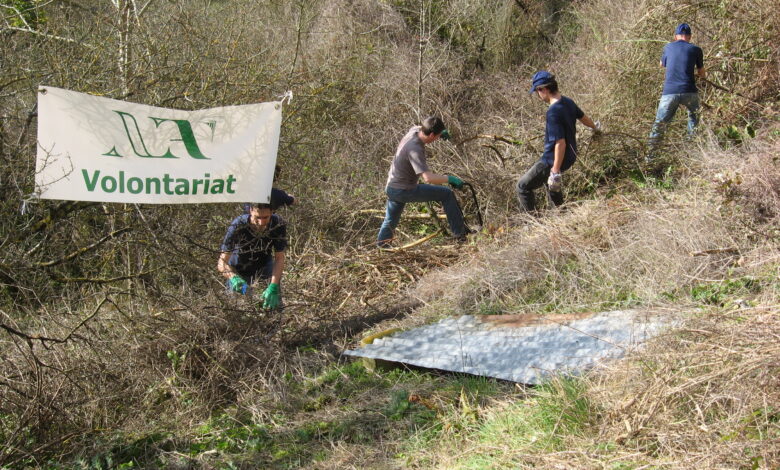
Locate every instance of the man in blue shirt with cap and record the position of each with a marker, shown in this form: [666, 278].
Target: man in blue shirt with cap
[560, 143]
[681, 59]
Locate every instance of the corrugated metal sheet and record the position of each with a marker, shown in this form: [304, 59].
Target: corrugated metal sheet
[519, 348]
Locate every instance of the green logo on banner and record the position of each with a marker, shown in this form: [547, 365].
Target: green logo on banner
[139, 146]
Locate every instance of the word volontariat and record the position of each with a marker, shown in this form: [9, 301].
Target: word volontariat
[157, 185]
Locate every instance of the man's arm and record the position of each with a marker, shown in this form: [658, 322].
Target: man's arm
[433, 178]
[589, 122]
[223, 266]
[226, 249]
[702, 73]
[560, 152]
[276, 276]
[272, 296]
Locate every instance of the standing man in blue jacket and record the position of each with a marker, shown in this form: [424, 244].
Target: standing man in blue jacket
[681, 59]
[560, 143]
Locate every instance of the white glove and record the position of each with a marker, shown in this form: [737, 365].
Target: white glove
[555, 182]
[598, 129]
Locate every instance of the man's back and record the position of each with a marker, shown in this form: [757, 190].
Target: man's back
[561, 120]
[681, 59]
[408, 162]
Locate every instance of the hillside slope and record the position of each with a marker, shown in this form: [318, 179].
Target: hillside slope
[121, 349]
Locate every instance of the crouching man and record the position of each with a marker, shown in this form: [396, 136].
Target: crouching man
[253, 251]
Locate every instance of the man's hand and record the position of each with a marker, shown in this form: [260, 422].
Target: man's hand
[455, 182]
[272, 297]
[555, 182]
[598, 132]
[238, 284]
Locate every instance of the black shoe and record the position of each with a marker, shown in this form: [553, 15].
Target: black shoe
[383, 245]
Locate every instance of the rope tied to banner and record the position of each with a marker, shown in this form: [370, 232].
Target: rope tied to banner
[287, 96]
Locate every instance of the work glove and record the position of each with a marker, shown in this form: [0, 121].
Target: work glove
[445, 135]
[455, 182]
[555, 182]
[272, 297]
[598, 132]
[238, 284]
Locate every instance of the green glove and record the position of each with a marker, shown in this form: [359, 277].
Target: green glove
[445, 135]
[272, 297]
[455, 182]
[238, 284]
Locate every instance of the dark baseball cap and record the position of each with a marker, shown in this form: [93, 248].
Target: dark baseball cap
[683, 28]
[540, 78]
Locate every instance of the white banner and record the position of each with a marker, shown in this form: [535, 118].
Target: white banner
[100, 149]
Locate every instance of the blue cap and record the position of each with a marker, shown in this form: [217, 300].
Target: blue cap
[541, 77]
[683, 28]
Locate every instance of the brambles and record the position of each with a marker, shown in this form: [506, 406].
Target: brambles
[114, 318]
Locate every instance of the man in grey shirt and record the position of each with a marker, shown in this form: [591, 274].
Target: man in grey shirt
[408, 166]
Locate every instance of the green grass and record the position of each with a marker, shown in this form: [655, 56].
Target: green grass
[496, 439]
[541, 422]
[718, 293]
[341, 405]
[662, 181]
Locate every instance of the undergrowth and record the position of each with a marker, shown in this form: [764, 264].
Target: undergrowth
[343, 409]
[123, 354]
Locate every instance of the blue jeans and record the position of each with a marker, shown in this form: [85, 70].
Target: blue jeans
[535, 178]
[666, 109]
[397, 199]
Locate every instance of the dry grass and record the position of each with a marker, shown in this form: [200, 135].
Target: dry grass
[703, 397]
[598, 253]
[167, 354]
[750, 181]
[187, 356]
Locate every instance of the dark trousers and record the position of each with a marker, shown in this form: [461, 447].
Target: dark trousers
[533, 179]
[260, 273]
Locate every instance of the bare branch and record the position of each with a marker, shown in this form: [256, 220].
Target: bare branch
[26, 337]
[83, 250]
[50, 36]
[92, 280]
[43, 339]
[500, 138]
